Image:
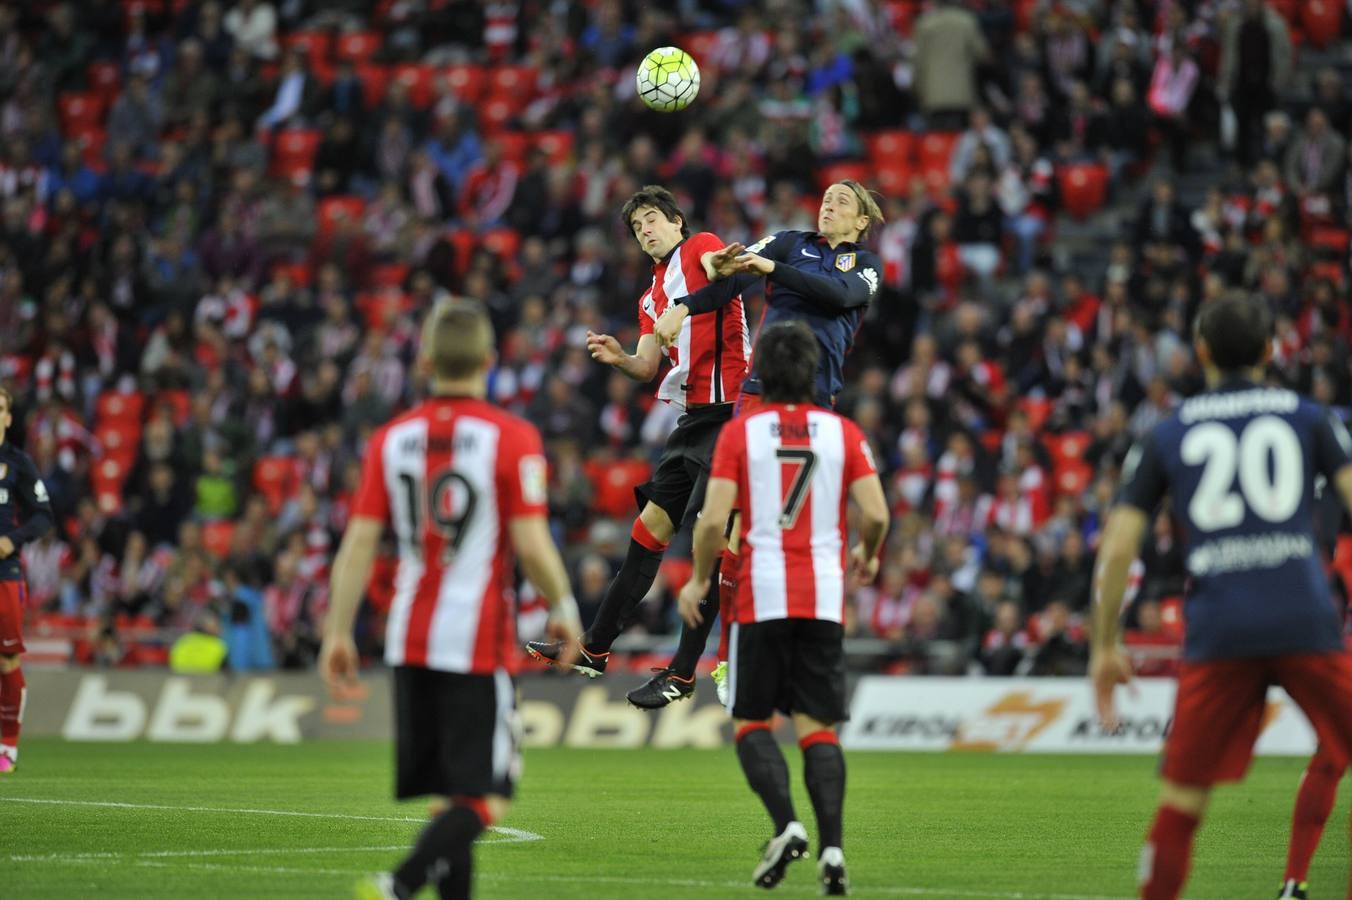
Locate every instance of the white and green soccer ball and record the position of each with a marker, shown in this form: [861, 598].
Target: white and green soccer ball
[667, 79]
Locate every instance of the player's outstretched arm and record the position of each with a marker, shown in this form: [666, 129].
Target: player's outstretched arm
[710, 298]
[1108, 664]
[707, 542]
[534, 548]
[867, 494]
[833, 293]
[641, 366]
[347, 582]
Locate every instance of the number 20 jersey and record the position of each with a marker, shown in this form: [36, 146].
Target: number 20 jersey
[448, 476]
[1240, 464]
[793, 466]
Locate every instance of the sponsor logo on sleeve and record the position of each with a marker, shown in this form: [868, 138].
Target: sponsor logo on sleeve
[534, 484]
[40, 492]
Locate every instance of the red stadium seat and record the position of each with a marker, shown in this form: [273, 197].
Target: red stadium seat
[217, 537]
[358, 46]
[1037, 409]
[275, 478]
[468, 82]
[1024, 11]
[119, 441]
[1322, 20]
[314, 44]
[1072, 479]
[894, 180]
[106, 478]
[293, 152]
[902, 15]
[79, 111]
[1069, 447]
[497, 112]
[937, 177]
[831, 174]
[375, 81]
[117, 407]
[1084, 188]
[104, 81]
[936, 148]
[299, 273]
[464, 242]
[1334, 240]
[515, 81]
[557, 145]
[502, 242]
[513, 144]
[891, 147]
[417, 78]
[331, 209]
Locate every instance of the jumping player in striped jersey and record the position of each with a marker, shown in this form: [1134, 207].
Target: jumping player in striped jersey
[1240, 463]
[463, 485]
[708, 359]
[790, 467]
[825, 279]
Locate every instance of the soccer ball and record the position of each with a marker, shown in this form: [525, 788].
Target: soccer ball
[667, 79]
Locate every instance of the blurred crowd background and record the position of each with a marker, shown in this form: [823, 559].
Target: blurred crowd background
[221, 221]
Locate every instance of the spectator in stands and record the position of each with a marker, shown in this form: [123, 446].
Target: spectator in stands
[296, 93]
[1255, 68]
[949, 47]
[136, 117]
[1172, 86]
[1316, 159]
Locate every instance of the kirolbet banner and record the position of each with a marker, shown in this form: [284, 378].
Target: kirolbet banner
[1035, 715]
[290, 708]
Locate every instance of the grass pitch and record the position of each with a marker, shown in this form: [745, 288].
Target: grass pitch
[150, 820]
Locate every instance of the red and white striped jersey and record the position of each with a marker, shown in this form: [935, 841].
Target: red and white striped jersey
[793, 465]
[449, 475]
[709, 358]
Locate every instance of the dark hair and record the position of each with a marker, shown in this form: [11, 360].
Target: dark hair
[786, 361]
[660, 199]
[1236, 330]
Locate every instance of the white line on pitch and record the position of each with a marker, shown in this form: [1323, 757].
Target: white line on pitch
[170, 854]
[511, 835]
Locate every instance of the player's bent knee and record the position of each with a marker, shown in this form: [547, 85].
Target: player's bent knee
[497, 806]
[804, 725]
[1188, 798]
[9, 664]
[658, 523]
[742, 727]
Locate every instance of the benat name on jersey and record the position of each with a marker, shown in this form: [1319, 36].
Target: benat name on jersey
[793, 431]
[419, 444]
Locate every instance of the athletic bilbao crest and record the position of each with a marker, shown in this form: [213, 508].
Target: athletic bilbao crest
[845, 262]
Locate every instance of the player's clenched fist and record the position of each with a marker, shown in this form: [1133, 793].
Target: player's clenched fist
[604, 348]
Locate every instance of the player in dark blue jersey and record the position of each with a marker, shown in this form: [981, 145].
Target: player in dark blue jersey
[824, 278]
[25, 515]
[1239, 463]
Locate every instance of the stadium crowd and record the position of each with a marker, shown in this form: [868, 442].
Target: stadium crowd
[220, 222]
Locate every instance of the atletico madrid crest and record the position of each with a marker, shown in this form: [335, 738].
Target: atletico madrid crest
[845, 262]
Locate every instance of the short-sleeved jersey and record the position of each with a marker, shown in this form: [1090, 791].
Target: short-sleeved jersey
[857, 270]
[1240, 464]
[793, 465]
[25, 508]
[709, 358]
[448, 476]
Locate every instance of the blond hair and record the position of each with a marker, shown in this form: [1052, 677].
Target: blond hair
[457, 338]
[868, 205]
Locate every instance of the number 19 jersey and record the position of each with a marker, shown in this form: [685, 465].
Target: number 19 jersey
[793, 465]
[1240, 464]
[449, 475]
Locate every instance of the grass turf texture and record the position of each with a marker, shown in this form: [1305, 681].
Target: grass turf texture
[632, 824]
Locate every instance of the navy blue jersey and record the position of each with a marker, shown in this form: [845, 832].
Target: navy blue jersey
[25, 509]
[827, 289]
[1240, 465]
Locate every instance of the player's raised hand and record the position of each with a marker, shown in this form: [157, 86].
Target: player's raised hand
[864, 568]
[667, 328]
[689, 599]
[722, 263]
[338, 661]
[1107, 669]
[604, 349]
[754, 262]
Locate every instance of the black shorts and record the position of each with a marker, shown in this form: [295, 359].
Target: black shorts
[456, 734]
[790, 665]
[682, 472]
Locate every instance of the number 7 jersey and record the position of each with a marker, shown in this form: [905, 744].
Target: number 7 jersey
[448, 476]
[1240, 465]
[793, 465]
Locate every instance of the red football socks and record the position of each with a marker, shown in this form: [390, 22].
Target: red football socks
[1167, 854]
[1314, 802]
[12, 694]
